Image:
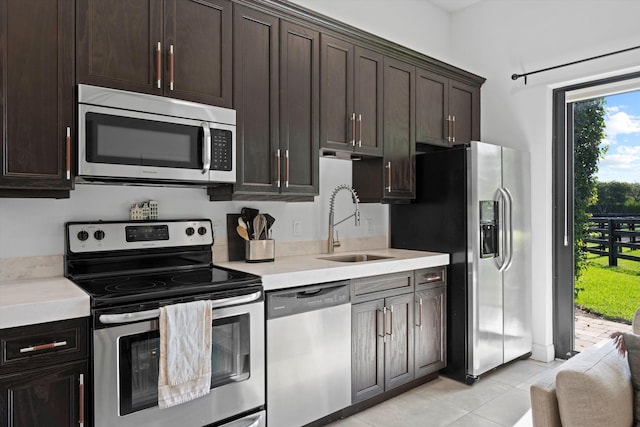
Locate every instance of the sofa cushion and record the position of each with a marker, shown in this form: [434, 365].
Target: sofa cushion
[544, 402]
[632, 343]
[594, 389]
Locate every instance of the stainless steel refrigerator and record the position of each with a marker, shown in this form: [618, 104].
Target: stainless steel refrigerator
[473, 202]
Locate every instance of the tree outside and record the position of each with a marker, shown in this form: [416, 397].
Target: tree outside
[589, 126]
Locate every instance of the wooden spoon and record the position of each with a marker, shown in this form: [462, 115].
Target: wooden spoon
[242, 232]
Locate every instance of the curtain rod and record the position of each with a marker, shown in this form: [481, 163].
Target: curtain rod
[517, 76]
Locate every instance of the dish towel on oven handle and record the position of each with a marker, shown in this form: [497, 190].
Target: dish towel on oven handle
[185, 353]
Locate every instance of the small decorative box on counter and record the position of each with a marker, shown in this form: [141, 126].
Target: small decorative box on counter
[260, 250]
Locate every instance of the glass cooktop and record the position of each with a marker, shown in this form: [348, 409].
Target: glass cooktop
[118, 289]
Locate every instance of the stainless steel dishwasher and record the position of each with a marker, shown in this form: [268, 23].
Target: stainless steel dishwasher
[308, 353]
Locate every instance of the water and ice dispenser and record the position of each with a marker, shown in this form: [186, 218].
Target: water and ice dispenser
[488, 228]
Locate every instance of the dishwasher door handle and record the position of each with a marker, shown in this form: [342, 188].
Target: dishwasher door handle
[316, 292]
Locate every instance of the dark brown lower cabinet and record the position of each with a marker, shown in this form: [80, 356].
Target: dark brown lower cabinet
[430, 332]
[44, 375]
[52, 397]
[382, 333]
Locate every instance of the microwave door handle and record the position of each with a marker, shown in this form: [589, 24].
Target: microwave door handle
[206, 148]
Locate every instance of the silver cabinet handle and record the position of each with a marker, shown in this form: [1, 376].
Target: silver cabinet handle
[388, 168]
[420, 314]
[449, 132]
[206, 148]
[353, 129]
[68, 148]
[359, 130]
[41, 347]
[171, 67]
[153, 314]
[453, 127]
[278, 168]
[159, 65]
[286, 168]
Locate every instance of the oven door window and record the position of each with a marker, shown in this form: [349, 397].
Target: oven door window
[139, 142]
[139, 357]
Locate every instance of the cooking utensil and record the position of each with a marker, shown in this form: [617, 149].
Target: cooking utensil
[259, 224]
[248, 215]
[270, 221]
[242, 232]
[241, 223]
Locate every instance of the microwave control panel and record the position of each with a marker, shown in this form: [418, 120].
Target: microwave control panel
[221, 150]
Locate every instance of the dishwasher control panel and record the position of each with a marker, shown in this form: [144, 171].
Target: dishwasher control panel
[288, 302]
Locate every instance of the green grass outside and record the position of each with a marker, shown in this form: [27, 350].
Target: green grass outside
[613, 292]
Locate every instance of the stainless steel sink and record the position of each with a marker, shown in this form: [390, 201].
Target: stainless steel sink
[355, 258]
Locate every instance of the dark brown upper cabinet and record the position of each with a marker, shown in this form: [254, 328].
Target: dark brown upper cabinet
[392, 178]
[37, 86]
[447, 111]
[256, 87]
[399, 130]
[351, 98]
[176, 48]
[299, 109]
[276, 95]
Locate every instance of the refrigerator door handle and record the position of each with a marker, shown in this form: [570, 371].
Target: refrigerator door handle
[507, 229]
[509, 199]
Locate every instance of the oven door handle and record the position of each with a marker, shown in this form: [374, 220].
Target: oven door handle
[153, 314]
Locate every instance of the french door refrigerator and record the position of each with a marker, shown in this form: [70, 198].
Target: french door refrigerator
[473, 202]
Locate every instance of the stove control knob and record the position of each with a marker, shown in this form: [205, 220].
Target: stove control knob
[99, 234]
[83, 235]
[190, 231]
[202, 231]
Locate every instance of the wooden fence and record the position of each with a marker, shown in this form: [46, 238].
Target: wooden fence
[609, 235]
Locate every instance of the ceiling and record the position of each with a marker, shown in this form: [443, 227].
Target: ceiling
[453, 5]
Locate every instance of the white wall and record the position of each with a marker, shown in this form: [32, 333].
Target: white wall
[416, 24]
[34, 227]
[496, 38]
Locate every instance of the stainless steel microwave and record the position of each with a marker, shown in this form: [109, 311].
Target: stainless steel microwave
[137, 138]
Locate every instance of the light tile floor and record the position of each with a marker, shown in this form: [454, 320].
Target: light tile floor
[498, 399]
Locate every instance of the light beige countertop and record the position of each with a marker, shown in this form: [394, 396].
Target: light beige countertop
[33, 301]
[28, 302]
[290, 271]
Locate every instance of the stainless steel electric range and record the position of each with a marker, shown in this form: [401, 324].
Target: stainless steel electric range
[130, 269]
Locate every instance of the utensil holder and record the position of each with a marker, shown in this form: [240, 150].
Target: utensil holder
[260, 250]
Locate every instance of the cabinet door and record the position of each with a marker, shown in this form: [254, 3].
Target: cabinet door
[432, 106]
[368, 102]
[199, 33]
[117, 44]
[399, 346]
[367, 350]
[299, 108]
[430, 335]
[399, 130]
[255, 92]
[36, 81]
[337, 115]
[52, 397]
[464, 106]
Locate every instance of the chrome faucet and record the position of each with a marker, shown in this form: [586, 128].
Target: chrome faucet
[354, 196]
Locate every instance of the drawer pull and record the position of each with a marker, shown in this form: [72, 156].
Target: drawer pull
[432, 278]
[43, 346]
